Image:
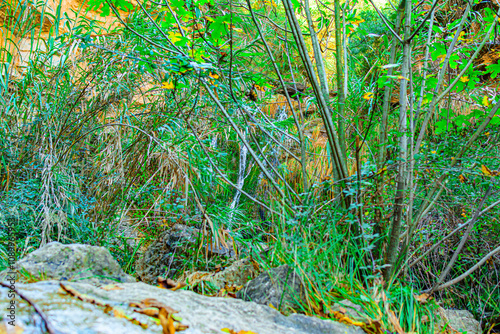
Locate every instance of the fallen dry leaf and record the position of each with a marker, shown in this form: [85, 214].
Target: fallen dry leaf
[110, 287]
[230, 331]
[488, 172]
[120, 313]
[160, 313]
[149, 311]
[180, 327]
[423, 298]
[116, 312]
[167, 283]
[373, 327]
[81, 296]
[166, 321]
[151, 302]
[340, 317]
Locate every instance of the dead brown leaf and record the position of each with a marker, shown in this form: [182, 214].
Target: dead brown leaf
[81, 296]
[151, 302]
[156, 309]
[167, 283]
[149, 311]
[166, 321]
[373, 327]
[423, 298]
[340, 317]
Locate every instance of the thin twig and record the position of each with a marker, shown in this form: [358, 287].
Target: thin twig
[468, 272]
[462, 242]
[461, 226]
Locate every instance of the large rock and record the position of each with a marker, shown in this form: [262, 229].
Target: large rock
[281, 287]
[353, 311]
[162, 257]
[56, 261]
[203, 315]
[236, 275]
[461, 321]
[166, 255]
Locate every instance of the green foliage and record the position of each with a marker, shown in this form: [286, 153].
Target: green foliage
[132, 129]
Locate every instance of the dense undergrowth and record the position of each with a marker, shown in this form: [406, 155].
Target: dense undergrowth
[128, 127]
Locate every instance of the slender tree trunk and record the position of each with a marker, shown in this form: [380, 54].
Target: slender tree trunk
[388, 89]
[402, 178]
[318, 57]
[339, 57]
[380, 223]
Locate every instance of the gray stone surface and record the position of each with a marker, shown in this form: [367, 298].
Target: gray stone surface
[462, 321]
[353, 311]
[280, 286]
[204, 315]
[237, 274]
[75, 262]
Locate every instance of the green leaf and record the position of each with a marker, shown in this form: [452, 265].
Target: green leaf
[123, 5]
[494, 69]
[440, 126]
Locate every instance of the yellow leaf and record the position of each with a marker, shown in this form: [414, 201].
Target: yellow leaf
[174, 36]
[403, 78]
[382, 170]
[167, 85]
[488, 172]
[272, 306]
[464, 78]
[213, 75]
[368, 96]
[340, 317]
[486, 134]
[486, 101]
